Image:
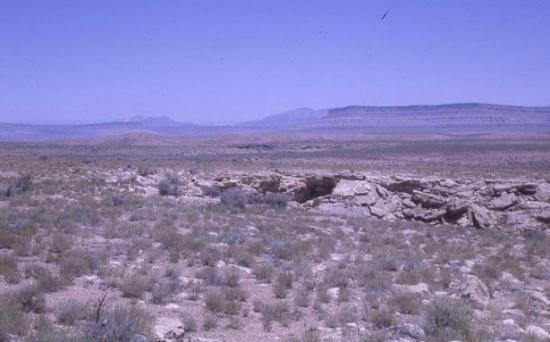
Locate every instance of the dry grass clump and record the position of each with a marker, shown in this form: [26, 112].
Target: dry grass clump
[30, 297]
[383, 318]
[135, 284]
[263, 272]
[235, 198]
[283, 283]
[448, 318]
[12, 318]
[45, 279]
[406, 303]
[123, 323]
[164, 289]
[219, 302]
[78, 262]
[189, 323]
[70, 311]
[8, 268]
[168, 187]
[209, 322]
[279, 312]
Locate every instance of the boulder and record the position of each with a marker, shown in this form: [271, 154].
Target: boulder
[527, 188]
[169, 329]
[408, 203]
[420, 288]
[379, 209]
[424, 215]
[428, 201]
[504, 202]
[382, 192]
[350, 188]
[412, 330]
[481, 217]
[473, 289]
[368, 199]
[406, 186]
[543, 192]
[455, 210]
[537, 332]
[543, 217]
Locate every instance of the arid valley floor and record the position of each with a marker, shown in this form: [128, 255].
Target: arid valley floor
[276, 238]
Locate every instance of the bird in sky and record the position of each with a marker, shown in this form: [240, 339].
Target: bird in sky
[385, 15]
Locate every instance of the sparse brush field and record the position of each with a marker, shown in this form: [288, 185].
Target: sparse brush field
[114, 249]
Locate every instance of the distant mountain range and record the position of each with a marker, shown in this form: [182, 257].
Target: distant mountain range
[462, 118]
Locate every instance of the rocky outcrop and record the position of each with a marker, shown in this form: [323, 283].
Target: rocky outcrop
[464, 201]
[314, 187]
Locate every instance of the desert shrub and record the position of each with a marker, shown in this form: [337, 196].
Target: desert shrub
[44, 278]
[209, 322]
[406, 303]
[164, 289]
[8, 239]
[277, 201]
[135, 284]
[74, 263]
[210, 256]
[231, 307]
[194, 289]
[211, 276]
[61, 242]
[189, 323]
[412, 274]
[283, 283]
[372, 279]
[347, 314]
[21, 184]
[168, 187]
[540, 272]
[274, 312]
[168, 236]
[30, 298]
[232, 278]
[336, 278]
[344, 294]
[70, 311]
[210, 190]
[45, 331]
[301, 297]
[117, 200]
[235, 198]
[12, 318]
[123, 323]
[524, 302]
[235, 293]
[234, 323]
[383, 318]
[322, 294]
[387, 261]
[263, 272]
[448, 318]
[8, 268]
[214, 301]
[241, 255]
[145, 171]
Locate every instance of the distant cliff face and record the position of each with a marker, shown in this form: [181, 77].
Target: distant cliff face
[453, 118]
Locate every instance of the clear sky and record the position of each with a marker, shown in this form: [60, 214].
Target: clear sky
[226, 61]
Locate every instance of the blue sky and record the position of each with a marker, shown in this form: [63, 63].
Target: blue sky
[228, 61]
